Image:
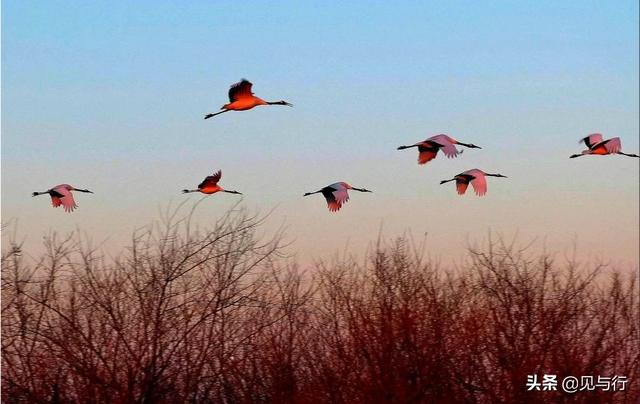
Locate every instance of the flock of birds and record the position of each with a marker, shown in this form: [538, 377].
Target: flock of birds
[241, 99]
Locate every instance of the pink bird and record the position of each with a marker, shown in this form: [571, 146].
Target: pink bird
[210, 185]
[241, 99]
[336, 194]
[601, 147]
[476, 177]
[428, 149]
[61, 195]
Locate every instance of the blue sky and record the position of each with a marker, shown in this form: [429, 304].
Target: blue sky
[110, 96]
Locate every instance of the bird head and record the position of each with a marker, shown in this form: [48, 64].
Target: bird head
[359, 189]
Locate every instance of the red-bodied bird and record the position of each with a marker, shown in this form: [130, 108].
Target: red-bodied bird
[601, 147]
[476, 177]
[61, 195]
[336, 194]
[210, 185]
[241, 99]
[428, 149]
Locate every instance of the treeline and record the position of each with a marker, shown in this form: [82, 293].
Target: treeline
[186, 315]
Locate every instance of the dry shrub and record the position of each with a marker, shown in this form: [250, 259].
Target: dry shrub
[222, 315]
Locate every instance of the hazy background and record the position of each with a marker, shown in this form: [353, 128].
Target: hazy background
[110, 96]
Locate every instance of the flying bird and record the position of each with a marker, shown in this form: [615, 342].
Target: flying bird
[241, 99]
[210, 185]
[476, 177]
[61, 195]
[336, 194]
[428, 149]
[601, 147]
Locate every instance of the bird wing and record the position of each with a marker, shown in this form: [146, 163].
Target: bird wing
[240, 90]
[613, 145]
[211, 181]
[450, 150]
[446, 143]
[62, 196]
[592, 139]
[332, 203]
[461, 185]
[335, 195]
[479, 181]
[441, 139]
[55, 201]
[427, 153]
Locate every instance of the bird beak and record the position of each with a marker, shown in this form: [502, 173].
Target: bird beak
[288, 104]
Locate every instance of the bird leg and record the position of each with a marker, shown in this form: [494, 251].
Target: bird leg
[628, 154]
[207, 116]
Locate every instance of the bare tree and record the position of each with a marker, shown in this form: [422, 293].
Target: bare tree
[221, 314]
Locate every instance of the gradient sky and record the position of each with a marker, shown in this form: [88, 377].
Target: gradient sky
[110, 96]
